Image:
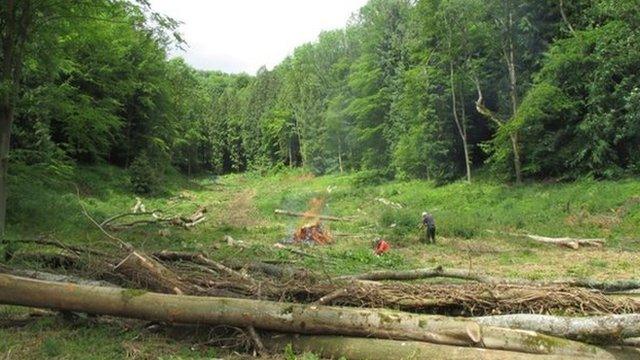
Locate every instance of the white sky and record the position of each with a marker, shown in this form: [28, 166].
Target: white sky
[242, 35]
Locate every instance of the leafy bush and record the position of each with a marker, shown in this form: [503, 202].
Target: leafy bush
[143, 176]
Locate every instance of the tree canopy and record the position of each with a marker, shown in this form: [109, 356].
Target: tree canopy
[413, 89]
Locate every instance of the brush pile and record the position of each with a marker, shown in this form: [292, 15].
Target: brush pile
[268, 300]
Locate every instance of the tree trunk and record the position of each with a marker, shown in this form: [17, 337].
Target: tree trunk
[460, 126]
[608, 330]
[565, 18]
[510, 59]
[517, 163]
[464, 138]
[281, 317]
[6, 107]
[340, 157]
[6, 119]
[335, 347]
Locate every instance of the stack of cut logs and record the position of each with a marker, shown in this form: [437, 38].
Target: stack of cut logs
[353, 316]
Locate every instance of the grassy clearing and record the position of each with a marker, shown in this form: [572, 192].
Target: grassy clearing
[473, 225]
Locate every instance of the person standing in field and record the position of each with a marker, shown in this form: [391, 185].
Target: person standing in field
[429, 224]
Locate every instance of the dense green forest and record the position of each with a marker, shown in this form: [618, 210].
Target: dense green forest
[409, 89]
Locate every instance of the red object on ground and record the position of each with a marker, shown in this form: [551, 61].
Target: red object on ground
[381, 247]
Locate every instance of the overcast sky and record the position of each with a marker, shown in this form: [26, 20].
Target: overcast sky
[242, 35]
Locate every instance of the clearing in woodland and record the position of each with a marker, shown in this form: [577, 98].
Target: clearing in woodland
[482, 234]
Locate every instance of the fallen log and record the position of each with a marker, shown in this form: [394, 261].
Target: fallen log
[569, 242]
[334, 347]
[416, 274]
[606, 286]
[462, 274]
[309, 215]
[281, 317]
[572, 243]
[611, 329]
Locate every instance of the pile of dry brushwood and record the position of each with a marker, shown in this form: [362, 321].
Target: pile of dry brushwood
[379, 315]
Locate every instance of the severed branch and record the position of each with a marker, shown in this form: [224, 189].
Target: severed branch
[310, 216]
[108, 221]
[185, 221]
[141, 268]
[327, 299]
[119, 241]
[257, 342]
[205, 261]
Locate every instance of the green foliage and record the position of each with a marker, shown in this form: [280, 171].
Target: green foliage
[144, 177]
[393, 93]
[582, 112]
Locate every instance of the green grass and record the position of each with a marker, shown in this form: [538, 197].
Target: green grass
[474, 222]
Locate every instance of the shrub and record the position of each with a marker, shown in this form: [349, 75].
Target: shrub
[143, 176]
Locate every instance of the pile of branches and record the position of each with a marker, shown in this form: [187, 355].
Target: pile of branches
[369, 316]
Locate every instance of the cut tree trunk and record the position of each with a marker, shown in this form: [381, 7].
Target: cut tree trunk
[309, 215]
[282, 317]
[334, 347]
[608, 330]
[572, 243]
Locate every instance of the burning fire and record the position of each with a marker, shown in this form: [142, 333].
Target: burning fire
[311, 230]
[313, 233]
